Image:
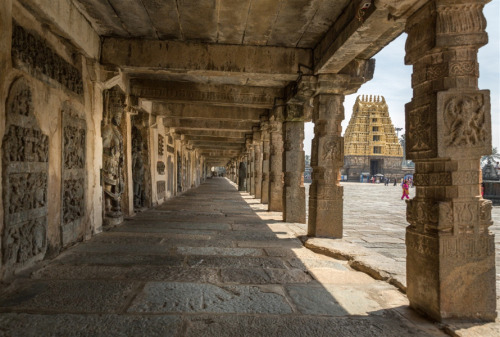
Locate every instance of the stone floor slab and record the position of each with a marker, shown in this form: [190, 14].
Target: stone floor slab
[72, 296]
[158, 297]
[29, 325]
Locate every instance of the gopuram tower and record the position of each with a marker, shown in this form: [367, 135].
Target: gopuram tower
[371, 144]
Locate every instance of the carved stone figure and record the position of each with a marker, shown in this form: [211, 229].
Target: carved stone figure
[112, 143]
[137, 168]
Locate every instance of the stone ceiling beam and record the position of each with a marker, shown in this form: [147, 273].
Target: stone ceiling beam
[216, 145]
[211, 133]
[208, 124]
[351, 37]
[273, 62]
[195, 111]
[196, 93]
[194, 138]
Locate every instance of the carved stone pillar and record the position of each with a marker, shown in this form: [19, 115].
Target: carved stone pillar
[276, 160]
[294, 197]
[252, 170]
[265, 162]
[450, 251]
[325, 193]
[257, 147]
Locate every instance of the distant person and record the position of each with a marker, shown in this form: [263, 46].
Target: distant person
[395, 181]
[406, 191]
[482, 189]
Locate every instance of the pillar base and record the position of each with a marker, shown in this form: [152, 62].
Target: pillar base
[451, 276]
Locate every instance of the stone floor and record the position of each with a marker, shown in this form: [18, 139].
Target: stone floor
[211, 262]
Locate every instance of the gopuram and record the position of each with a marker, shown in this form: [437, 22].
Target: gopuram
[111, 107]
[371, 146]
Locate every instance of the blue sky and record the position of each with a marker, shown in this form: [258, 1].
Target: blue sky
[392, 79]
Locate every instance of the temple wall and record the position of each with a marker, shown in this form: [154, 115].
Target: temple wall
[55, 78]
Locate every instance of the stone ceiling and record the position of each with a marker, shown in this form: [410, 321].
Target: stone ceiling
[298, 23]
[213, 68]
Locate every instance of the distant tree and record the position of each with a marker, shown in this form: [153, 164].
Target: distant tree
[494, 157]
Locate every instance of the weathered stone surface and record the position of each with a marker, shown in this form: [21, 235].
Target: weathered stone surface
[187, 297]
[219, 251]
[263, 276]
[87, 296]
[233, 262]
[27, 325]
[388, 325]
[119, 259]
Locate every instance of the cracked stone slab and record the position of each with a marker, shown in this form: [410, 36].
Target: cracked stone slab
[234, 262]
[161, 297]
[385, 325]
[90, 296]
[27, 325]
[125, 248]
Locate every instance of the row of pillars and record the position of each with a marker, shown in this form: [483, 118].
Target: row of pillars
[450, 251]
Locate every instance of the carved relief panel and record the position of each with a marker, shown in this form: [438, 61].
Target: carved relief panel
[25, 172]
[464, 123]
[161, 144]
[74, 130]
[32, 54]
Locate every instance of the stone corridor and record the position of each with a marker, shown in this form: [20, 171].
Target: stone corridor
[211, 262]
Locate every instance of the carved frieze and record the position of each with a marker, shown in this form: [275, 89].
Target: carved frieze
[32, 54]
[25, 180]
[73, 173]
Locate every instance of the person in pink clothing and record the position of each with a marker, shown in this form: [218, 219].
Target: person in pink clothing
[406, 191]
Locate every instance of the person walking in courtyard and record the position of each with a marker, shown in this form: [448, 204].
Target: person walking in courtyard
[406, 191]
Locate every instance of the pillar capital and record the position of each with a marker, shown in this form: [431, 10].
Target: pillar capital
[348, 81]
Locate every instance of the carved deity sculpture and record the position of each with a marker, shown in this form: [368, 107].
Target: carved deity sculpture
[112, 142]
[138, 172]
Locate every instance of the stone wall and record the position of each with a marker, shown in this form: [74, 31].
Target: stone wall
[48, 200]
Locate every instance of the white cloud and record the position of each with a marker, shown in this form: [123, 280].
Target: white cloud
[392, 79]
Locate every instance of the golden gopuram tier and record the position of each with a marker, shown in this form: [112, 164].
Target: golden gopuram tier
[371, 144]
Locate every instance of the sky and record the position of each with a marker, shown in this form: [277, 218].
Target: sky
[392, 79]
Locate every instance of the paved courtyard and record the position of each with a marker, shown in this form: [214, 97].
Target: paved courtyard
[212, 262]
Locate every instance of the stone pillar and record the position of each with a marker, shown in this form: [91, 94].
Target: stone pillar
[128, 191]
[257, 147]
[242, 175]
[265, 162]
[327, 158]
[248, 156]
[294, 197]
[276, 159]
[450, 251]
[252, 170]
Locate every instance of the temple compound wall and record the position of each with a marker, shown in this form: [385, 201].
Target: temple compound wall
[371, 144]
[78, 152]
